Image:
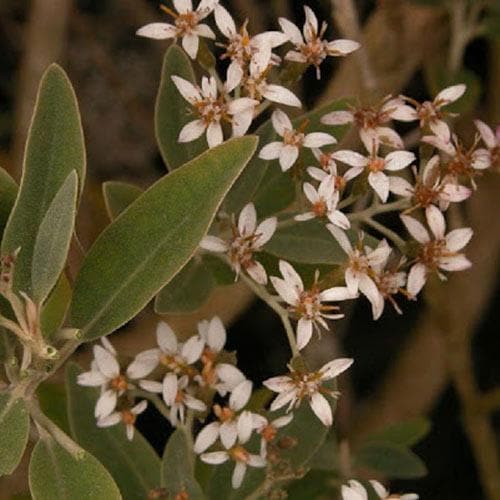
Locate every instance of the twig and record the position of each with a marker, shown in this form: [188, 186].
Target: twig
[389, 233]
[271, 301]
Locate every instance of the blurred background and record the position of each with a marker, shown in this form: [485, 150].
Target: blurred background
[441, 358]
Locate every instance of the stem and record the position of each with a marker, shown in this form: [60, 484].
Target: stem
[271, 301]
[348, 201]
[376, 209]
[61, 437]
[399, 242]
[153, 398]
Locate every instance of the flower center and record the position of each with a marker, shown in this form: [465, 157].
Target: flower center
[119, 383]
[128, 418]
[269, 432]
[376, 165]
[424, 195]
[320, 208]
[186, 22]
[293, 138]
[223, 413]
[314, 51]
[212, 110]
[239, 454]
[432, 251]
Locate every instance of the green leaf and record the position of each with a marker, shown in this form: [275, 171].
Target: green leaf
[315, 485]
[177, 471]
[188, 291]
[53, 239]
[390, 460]
[307, 242]
[54, 149]
[274, 191]
[15, 425]
[221, 272]
[8, 193]
[406, 433]
[134, 465]
[53, 403]
[141, 251]
[118, 196]
[55, 307]
[172, 111]
[55, 474]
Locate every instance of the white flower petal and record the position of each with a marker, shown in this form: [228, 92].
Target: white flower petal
[291, 31]
[157, 31]
[215, 457]
[338, 118]
[240, 395]
[285, 290]
[192, 349]
[416, 229]
[234, 76]
[291, 275]
[318, 140]
[456, 263]
[190, 43]
[281, 95]
[192, 131]
[110, 420]
[247, 221]
[166, 339]
[105, 404]
[304, 332]
[214, 134]
[450, 94]
[368, 288]
[380, 184]
[486, 134]
[257, 272]
[206, 437]
[91, 378]
[279, 384]
[350, 158]
[214, 244]
[143, 364]
[106, 362]
[265, 231]
[335, 294]
[271, 151]
[321, 408]
[229, 375]
[288, 156]
[416, 279]
[170, 386]
[342, 47]
[228, 433]
[245, 426]
[187, 89]
[238, 474]
[216, 335]
[339, 219]
[398, 160]
[205, 31]
[335, 367]
[435, 219]
[341, 238]
[441, 129]
[400, 186]
[458, 238]
[151, 386]
[281, 122]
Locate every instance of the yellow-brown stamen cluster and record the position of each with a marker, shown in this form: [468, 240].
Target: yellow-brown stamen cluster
[431, 252]
[119, 383]
[376, 164]
[239, 454]
[425, 195]
[128, 417]
[185, 22]
[212, 110]
[239, 47]
[224, 413]
[208, 373]
[461, 163]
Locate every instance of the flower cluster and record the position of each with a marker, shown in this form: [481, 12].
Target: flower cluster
[356, 491]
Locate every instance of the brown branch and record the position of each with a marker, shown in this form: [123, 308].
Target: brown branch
[43, 43]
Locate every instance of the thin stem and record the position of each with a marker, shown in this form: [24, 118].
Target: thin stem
[153, 398]
[399, 242]
[377, 209]
[271, 301]
[61, 437]
[348, 201]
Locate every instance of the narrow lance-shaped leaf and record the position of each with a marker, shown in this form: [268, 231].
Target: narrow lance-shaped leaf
[172, 112]
[8, 193]
[15, 425]
[54, 149]
[142, 250]
[118, 196]
[53, 239]
[134, 465]
[55, 474]
[178, 468]
[188, 291]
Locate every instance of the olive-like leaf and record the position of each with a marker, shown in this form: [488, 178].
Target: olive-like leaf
[134, 465]
[405, 433]
[53, 239]
[118, 196]
[15, 425]
[188, 291]
[142, 250]
[8, 193]
[55, 474]
[55, 307]
[390, 460]
[54, 149]
[177, 471]
[172, 111]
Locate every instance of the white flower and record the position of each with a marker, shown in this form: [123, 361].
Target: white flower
[226, 428]
[256, 86]
[329, 169]
[430, 113]
[310, 48]
[439, 252]
[237, 452]
[461, 162]
[128, 417]
[176, 394]
[212, 109]
[356, 491]
[186, 25]
[376, 166]
[269, 430]
[248, 238]
[324, 203]
[307, 305]
[170, 353]
[385, 495]
[287, 150]
[492, 141]
[241, 48]
[371, 121]
[361, 265]
[297, 385]
[105, 373]
[430, 188]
